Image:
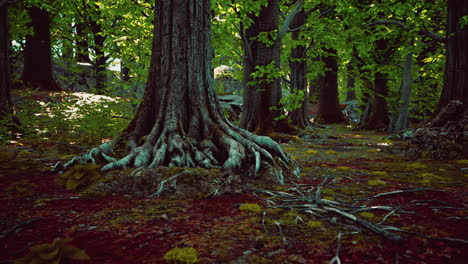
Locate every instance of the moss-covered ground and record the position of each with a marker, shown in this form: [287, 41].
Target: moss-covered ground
[357, 172]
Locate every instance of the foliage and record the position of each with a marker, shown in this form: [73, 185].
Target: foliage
[63, 116]
[53, 253]
[79, 176]
[265, 74]
[186, 255]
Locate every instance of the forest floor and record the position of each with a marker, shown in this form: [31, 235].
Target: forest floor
[358, 199]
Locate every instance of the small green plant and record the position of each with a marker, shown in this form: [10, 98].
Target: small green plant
[185, 255]
[252, 207]
[56, 252]
[79, 176]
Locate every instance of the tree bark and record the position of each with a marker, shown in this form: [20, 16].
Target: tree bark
[379, 118]
[37, 70]
[6, 102]
[179, 122]
[260, 99]
[405, 94]
[298, 67]
[456, 66]
[329, 107]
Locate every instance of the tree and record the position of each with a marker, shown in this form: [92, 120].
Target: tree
[179, 122]
[262, 92]
[37, 69]
[6, 103]
[456, 67]
[329, 108]
[298, 80]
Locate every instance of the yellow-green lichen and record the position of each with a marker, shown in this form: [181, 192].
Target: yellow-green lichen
[314, 224]
[185, 255]
[376, 183]
[251, 207]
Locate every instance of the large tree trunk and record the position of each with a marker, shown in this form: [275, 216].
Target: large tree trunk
[456, 66]
[298, 67]
[6, 104]
[261, 98]
[179, 122]
[329, 107]
[37, 53]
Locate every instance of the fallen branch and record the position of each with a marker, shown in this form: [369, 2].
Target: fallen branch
[17, 226]
[336, 258]
[456, 240]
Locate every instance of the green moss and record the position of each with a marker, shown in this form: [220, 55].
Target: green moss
[314, 224]
[186, 255]
[376, 183]
[251, 207]
[367, 215]
[56, 252]
[379, 173]
[79, 176]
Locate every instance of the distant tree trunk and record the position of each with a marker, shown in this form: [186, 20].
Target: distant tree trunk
[6, 103]
[405, 94]
[37, 53]
[456, 67]
[329, 107]
[82, 45]
[298, 67]
[351, 80]
[179, 122]
[379, 118]
[100, 61]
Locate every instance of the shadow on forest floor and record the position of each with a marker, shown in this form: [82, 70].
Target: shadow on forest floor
[359, 199]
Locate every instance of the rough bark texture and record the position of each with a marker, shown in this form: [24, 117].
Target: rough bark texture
[456, 67]
[179, 122]
[259, 99]
[329, 109]
[298, 67]
[37, 70]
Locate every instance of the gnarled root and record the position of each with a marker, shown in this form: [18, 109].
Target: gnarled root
[230, 148]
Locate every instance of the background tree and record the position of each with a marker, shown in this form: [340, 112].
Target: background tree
[329, 109]
[456, 67]
[179, 122]
[37, 70]
[6, 103]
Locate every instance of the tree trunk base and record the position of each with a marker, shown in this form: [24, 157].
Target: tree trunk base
[445, 136]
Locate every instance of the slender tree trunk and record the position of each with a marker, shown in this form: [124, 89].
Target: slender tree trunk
[405, 91]
[179, 122]
[329, 107]
[37, 53]
[456, 67]
[101, 58]
[298, 67]
[350, 82]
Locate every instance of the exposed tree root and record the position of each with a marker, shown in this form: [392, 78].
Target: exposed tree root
[219, 145]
